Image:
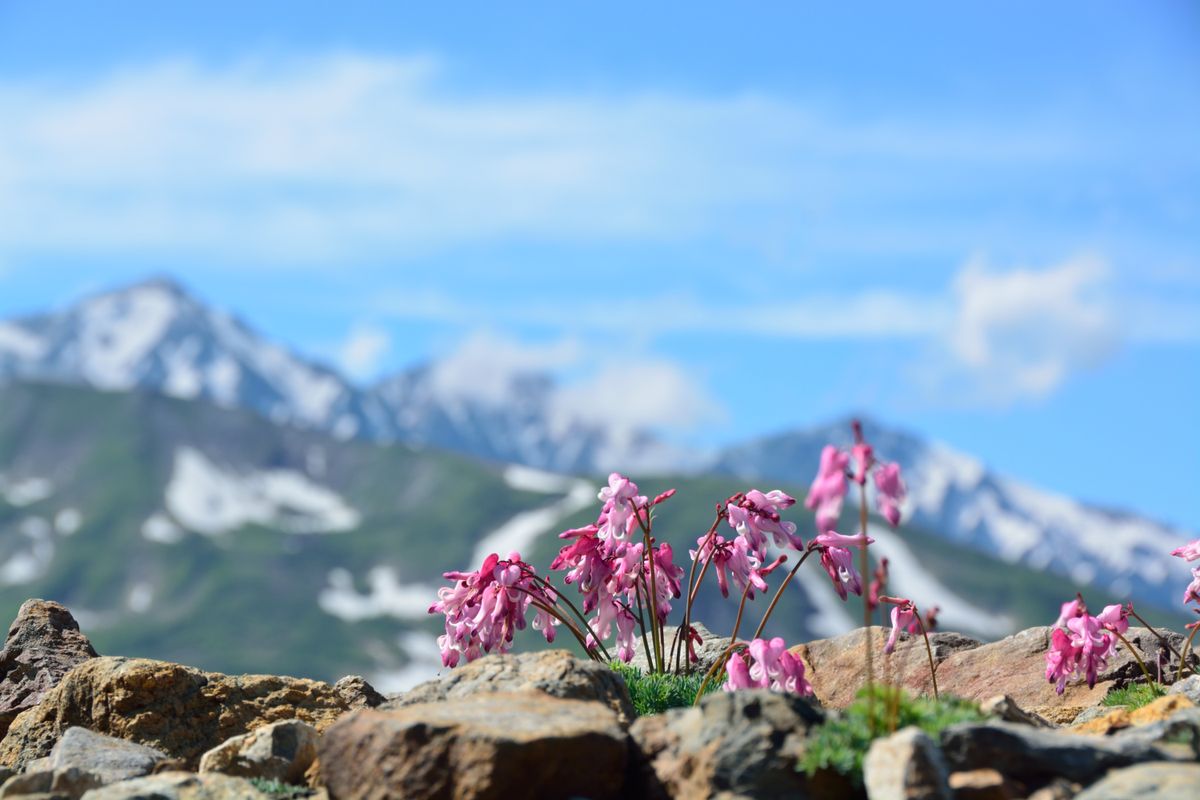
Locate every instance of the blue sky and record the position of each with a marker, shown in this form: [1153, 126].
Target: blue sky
[982, 224]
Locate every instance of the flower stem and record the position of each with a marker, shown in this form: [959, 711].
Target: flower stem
[1187, 648]
[560, 596]
[865, 569]
[684, 631]
[778, 592]
[717, 665]
[1165, 641]
[652, 596]
[1133, 652]
[928, 651]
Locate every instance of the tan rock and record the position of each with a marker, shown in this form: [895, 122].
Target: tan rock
[983, 784]
[44, 643]
[500, 745]
[179, 786]
[179, 710]
[905, 766]
[1119, 718]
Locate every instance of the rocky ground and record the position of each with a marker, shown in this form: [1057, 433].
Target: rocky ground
[547, 725]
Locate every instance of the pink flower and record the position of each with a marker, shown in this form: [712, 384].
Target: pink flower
[484, 608]
[770, 666]
[1192, 593]
[1114, 618]
[755, 515]
[1189, 552]
[903, 616]
[835, 539]
[1061, 659]
[889, 492]
[839, 564]
[828, 489]
[1094, 646]
[622, 503]
[861, 454]
[1070, 610]
[878, 585]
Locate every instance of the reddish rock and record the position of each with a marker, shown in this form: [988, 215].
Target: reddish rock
[43, 644]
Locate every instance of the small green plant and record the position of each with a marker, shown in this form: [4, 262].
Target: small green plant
[842, 742]
[281, 791]
[654, 693]
[1135, 695]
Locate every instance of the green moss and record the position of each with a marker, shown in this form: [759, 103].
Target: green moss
[281, 791]
[1133, 696]
[654, 693]
[842, 742]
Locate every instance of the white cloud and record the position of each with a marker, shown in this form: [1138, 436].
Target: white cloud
[1021, 333]
[629, 392]
[320, 160]
[360, 354]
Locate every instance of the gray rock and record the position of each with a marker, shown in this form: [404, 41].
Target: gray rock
[281, 751]
[108, 758]
[555, 672]
[906, 766]
[1034, 756]
[357, 693]
[710, 648]
[1089, 714]
[43, 644]
[179, 786]
[745, 743]
[488, 745]
[1152, 781]
[1189, 686]
[1181, 730]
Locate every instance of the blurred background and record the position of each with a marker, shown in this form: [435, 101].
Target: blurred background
[304, 305]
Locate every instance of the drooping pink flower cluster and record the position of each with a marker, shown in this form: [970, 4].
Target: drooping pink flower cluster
[1190, 552]
[735, 558]
[755, 516]
[767, 664]
[1081, 644]
[904, 617]
[609, 565]
[483, 608]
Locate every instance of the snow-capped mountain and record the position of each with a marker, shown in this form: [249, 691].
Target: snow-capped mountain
[154, 336]
[957, 497]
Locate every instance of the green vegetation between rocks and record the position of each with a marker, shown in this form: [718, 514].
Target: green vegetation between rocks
[1133, 696]
[842, 742]
[281, 791]
[654, 694]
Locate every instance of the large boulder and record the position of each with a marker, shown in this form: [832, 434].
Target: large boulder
[44, 643]
[745, 743]
[179, 710]
[179, 786]
[1018, 665]
[106, 757]
[281, 751]
[555, 672]
[837, 670]
[488, 745]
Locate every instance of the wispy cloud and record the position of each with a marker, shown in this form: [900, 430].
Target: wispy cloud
[321, 160]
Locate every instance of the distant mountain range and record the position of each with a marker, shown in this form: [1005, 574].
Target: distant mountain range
[188, 434]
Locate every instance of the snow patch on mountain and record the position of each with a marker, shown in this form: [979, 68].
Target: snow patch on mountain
[523, 529]
[209, 499]
[68, 521]
[160, 528]
[24, 491]
[386, 596]
[33, 558]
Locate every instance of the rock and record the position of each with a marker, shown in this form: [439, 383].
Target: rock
[745, 743]
[983, 784]
[555, 672]
[486, 745]
[281, 751]
[711, 648]
[1189, 687]
[1018, 663]
[179, 786]
[71, 783]
[1057, 789]
[1033, 756]
[1153, 781]
[836, 670]
[179, 710]
[905, 766]
[1119, 718]
[43, 644]
[108, 758]
[1004, 708]
[1178, 735]
[357, 693]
